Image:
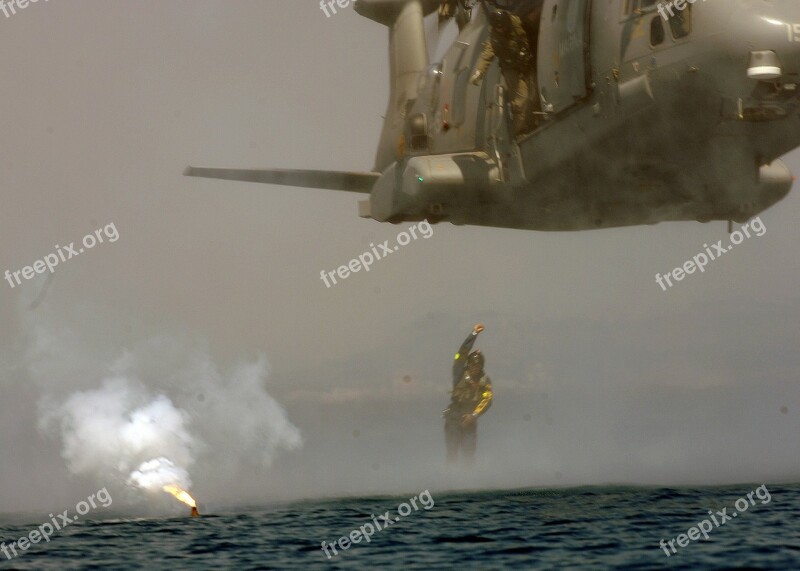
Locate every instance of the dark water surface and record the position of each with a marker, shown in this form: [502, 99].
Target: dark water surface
[578, 528]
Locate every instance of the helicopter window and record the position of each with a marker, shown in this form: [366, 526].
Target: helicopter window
[681, 23]
[657, 34]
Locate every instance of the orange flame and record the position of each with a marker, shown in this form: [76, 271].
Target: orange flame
[181, 495]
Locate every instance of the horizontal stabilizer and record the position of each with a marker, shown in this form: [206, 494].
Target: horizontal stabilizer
[329, 180]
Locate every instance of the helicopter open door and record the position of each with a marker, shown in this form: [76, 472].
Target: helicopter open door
[563, 53]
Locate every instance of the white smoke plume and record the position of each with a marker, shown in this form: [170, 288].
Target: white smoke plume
[160, 472]
[111, 430]
[161, 413]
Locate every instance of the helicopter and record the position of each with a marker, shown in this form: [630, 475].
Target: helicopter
[648, 111]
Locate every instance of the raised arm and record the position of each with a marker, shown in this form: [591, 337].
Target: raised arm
[461, 356]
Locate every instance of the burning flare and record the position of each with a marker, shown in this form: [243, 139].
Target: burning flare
[181, 495]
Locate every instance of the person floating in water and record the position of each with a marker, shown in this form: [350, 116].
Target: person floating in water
[470, 398]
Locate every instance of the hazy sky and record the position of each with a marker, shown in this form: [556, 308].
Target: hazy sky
[600, 376]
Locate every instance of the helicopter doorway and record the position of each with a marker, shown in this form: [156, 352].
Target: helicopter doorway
[563, 53]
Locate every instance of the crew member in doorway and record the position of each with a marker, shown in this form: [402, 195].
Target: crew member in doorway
[509, 43]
